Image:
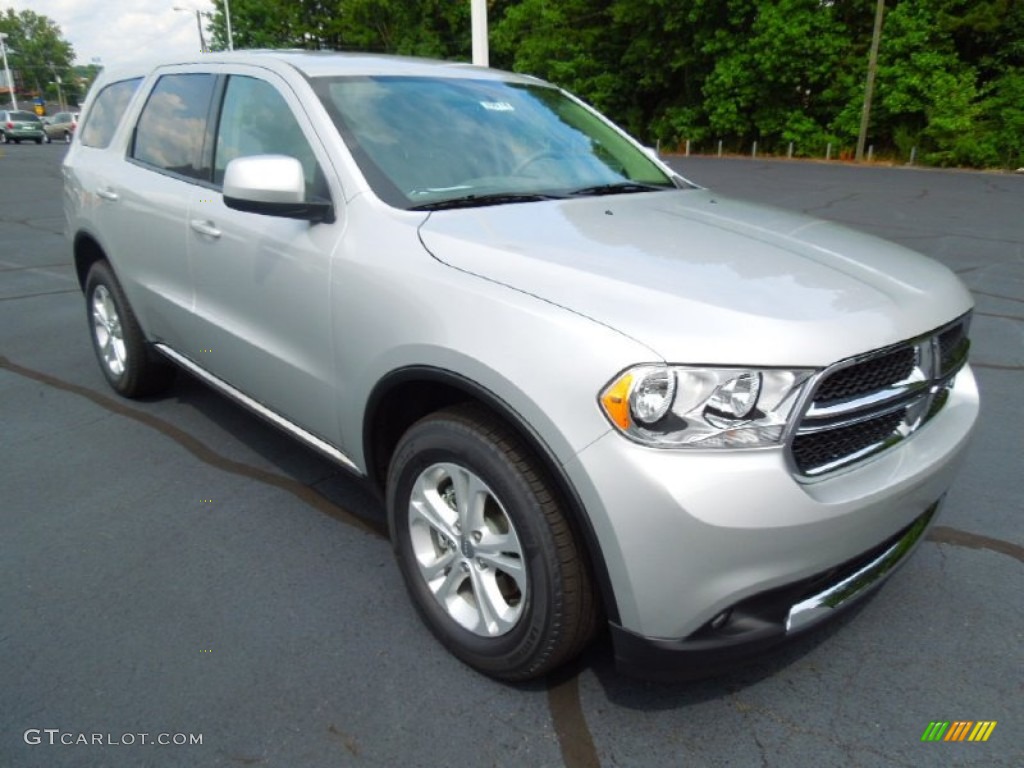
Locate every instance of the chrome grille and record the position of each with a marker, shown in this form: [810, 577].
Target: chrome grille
[867, 376]
[867, 404]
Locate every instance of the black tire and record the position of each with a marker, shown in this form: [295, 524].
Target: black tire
[39, 141]
[47, 139]
[555, 615]
[128, 363]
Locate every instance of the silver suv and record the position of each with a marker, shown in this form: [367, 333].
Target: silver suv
[589, 391]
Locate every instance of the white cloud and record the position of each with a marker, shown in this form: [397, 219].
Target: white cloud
[117, 31]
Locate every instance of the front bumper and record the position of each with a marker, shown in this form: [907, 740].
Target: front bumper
[713, 556]
[759, 623]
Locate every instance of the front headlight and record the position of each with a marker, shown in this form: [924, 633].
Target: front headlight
[694, 407]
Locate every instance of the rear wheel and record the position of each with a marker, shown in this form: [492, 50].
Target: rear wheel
[130, 366]
[39, 141]
[67, 137]
[487, 554]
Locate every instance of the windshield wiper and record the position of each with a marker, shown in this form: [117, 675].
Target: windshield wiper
[618, 188]
[478, 201]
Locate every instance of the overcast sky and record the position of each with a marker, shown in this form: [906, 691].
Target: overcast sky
[116, 31]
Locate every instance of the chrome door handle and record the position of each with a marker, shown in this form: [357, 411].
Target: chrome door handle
[204, 227]
[107, 194]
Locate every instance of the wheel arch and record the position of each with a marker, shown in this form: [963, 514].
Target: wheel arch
[87, 251]
[406, 395]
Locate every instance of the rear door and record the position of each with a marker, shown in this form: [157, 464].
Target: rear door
[148, 189]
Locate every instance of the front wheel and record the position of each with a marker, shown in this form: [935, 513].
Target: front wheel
[127, 361]
[486, 552]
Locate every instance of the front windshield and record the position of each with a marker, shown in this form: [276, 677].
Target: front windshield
[423, 141]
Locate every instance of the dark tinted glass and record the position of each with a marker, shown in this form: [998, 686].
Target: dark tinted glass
[172, 126]
[107, 111]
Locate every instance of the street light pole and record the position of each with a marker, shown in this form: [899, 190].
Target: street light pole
[227, 18]
[7, 71]
[478, 21]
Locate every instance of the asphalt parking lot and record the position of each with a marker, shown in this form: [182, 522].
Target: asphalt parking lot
[175, 567]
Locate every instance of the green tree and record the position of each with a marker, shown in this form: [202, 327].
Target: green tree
[950, 78]
[435, 28]
[38, 55]
[573, 43]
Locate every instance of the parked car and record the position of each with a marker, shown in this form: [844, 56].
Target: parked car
[589, 391]
[60, 126]
[17, 126]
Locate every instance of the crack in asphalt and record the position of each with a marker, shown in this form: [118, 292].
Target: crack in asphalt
[997, 366]
[942, 534]
[830, 203]
[194, 446]
[8, 267]
[41, 293]
[997, 296]
[1001, 316]
[28, 223]
[575, 740]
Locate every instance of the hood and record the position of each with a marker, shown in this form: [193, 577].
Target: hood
[698, 278]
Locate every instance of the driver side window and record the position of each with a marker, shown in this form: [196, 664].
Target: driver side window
[256, 120]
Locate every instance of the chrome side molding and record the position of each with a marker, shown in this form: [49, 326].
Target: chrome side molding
[259, 409]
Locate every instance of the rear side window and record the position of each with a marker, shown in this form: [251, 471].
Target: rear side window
[172, 127]
[107, 111]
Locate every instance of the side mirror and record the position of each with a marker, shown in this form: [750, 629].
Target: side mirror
[272, 185]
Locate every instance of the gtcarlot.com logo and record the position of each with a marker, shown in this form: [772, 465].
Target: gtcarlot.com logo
[55, 736]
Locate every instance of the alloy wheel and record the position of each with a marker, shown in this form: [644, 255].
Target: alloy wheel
[467, 550]
[106, 323]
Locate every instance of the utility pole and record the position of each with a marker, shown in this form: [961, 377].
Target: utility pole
[7, 71]
[869, 87]
[57, 82]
